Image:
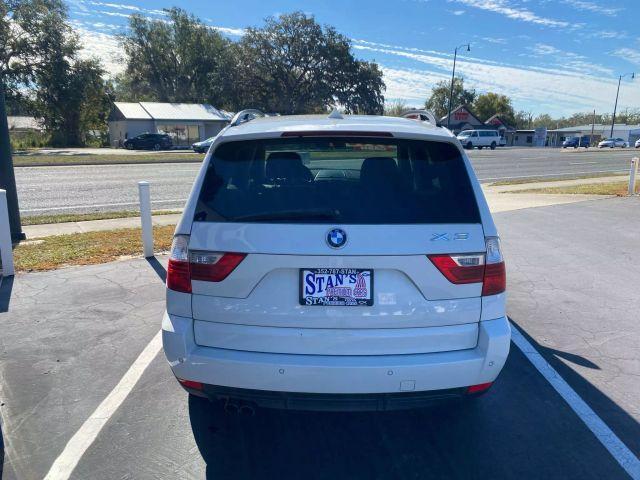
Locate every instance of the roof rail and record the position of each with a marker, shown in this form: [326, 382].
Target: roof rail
[422, 115]
[245, 116]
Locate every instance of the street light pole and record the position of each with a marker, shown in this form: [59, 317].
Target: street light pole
[7, 177]
[453, 75]
[615, 107]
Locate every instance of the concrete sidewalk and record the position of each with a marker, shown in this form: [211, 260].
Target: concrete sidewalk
[68, 228]
[494, 194]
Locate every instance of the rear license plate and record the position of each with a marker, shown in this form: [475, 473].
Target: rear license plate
[343, 287]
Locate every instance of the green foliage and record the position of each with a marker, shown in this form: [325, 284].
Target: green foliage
[488, 104]
[41, 57]
[294, 65]
[290, 65]
[396, 108]
[438, 102]
[29, 139]
[179, 60]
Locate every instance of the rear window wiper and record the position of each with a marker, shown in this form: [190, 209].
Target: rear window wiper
[289, 215]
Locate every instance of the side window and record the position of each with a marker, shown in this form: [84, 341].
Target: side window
[475, 134]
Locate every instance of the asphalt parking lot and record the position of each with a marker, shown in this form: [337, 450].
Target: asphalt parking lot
[70, 335]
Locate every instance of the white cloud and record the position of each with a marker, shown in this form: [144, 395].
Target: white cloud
[458, 12]
[593, 7]
[629, 54]
[502, 7]
[104, 46]
[552, 90]
[234, 32]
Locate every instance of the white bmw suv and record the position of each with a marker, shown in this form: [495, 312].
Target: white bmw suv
[337, 263]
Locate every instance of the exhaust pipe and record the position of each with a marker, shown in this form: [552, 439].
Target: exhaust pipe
[247, 410]
[231, 407]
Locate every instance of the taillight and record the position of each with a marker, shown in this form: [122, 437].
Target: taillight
[213, 266]
[475, 268]
[460, 269]
[185, 265]
[178, 277]
[495, 276]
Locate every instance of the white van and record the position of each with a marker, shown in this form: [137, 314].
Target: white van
[367, 277]
[479, 138]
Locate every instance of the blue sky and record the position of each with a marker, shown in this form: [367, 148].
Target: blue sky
[550, 56]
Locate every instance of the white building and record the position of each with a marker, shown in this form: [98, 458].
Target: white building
[629, 133]
[184, 122]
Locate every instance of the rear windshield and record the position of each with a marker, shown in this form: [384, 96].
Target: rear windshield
[327, 180]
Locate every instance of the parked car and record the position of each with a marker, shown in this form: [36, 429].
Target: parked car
[613, 142]
[203, 146]
[149, 141]
[637, 145]
[369, 278]
[479, 139]
[576, 142]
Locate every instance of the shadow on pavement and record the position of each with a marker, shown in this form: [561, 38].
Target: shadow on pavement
[520, 429]
[618, 420]
[158, 268]
[6, 286]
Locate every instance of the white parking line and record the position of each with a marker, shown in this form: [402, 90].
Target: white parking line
[75, 448]
[66, 462]
[603, 433]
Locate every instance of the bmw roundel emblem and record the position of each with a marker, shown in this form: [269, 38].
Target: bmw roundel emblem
[336, 238]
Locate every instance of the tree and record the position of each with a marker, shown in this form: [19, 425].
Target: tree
[488, 104]
[294, 65]
[24, 29]
[438, 102]
[72, 99]
[396, 108]
[179, 60]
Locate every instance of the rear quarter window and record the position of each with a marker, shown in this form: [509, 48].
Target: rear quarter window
[347, 181]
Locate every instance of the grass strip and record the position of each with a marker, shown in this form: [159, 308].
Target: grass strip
[54, 160]
[86, 248]
[83, 217]
[612, 188]
[519, 181]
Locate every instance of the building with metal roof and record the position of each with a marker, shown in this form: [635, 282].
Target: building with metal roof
[597, 132]
[185, 123]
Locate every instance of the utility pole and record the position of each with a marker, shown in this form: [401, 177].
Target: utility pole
[593, 125]
[453, 76]
[7, 177]
[615, 107]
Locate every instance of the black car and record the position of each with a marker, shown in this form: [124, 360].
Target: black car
[149, 141]
[576, 142]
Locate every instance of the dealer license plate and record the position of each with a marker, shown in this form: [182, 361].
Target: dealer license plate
[344, 287]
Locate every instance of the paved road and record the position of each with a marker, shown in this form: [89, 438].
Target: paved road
[71, 334]
[45, 190]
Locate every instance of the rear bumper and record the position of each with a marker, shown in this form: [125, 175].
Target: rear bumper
[334, 374]
[329, 402]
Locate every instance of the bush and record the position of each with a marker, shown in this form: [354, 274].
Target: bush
[29, 139]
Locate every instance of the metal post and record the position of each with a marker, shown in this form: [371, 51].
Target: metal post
[593, 125]
[633, 173]
[145, 218]
[6, 247]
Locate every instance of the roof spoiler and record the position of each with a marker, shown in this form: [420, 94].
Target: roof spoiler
[245, 116]
[422, 115]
